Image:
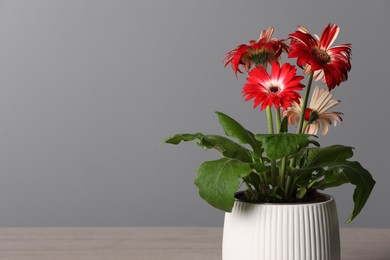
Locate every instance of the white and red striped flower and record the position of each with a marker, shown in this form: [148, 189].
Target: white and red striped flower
[316, 114]
[276, 89]
[314, 54]
[265, 50]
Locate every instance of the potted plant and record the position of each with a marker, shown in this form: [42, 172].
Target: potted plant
[280, 214]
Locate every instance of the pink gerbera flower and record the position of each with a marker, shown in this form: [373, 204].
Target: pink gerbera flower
[264, 50]
[278, 88]
[331, 64]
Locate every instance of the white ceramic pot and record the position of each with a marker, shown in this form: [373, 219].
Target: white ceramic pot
[304, 231]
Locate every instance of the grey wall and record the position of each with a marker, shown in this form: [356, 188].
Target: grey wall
[89, 89]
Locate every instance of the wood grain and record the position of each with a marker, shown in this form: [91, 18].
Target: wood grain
[155, 243]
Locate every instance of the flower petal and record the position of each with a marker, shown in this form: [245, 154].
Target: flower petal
[329, 35]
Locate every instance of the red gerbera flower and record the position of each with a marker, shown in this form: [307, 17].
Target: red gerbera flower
[331, 64]
[277, 88]
[264, 50]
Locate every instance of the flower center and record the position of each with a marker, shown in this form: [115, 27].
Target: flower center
[322, 56]
[274, 89]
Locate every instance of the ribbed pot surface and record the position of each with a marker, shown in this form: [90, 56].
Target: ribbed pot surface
[282, 232]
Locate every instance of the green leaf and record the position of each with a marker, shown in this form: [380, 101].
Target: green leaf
[260, 166]
[234, 129]
[315, 143]
[284, 125]
[219, 180]
[331, 179]
[223, 145]
[352, 172]
[304, 176]
[325, 156]
[230, 149]
[277, 146]
[176, 139]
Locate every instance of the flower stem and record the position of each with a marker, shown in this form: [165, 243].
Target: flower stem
[305, 123]
[302, 118]
[283, 171]
[271, 131]
[278, 120]
[270, 121]
[302, 126]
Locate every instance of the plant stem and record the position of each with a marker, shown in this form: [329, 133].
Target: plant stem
[273, 174]
[264, 179]
[302, 118]
[305, 123]
[278, 120]
[250, 189]
[302, 126]
[283, 171]
[302, 193]
[292, 186]
[269, 120]
[287, 188]
[271, 131]
[263, 182]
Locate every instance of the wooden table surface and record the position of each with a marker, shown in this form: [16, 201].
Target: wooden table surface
[155, 243]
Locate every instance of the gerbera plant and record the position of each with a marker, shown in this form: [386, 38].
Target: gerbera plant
[282, 166]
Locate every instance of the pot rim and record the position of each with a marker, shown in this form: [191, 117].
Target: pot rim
[330, 199]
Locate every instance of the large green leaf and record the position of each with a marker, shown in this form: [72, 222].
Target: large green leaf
[352, 172]
[225, 146]
[325, 156]
[277, 146]
[219, 180]
[234, 129]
